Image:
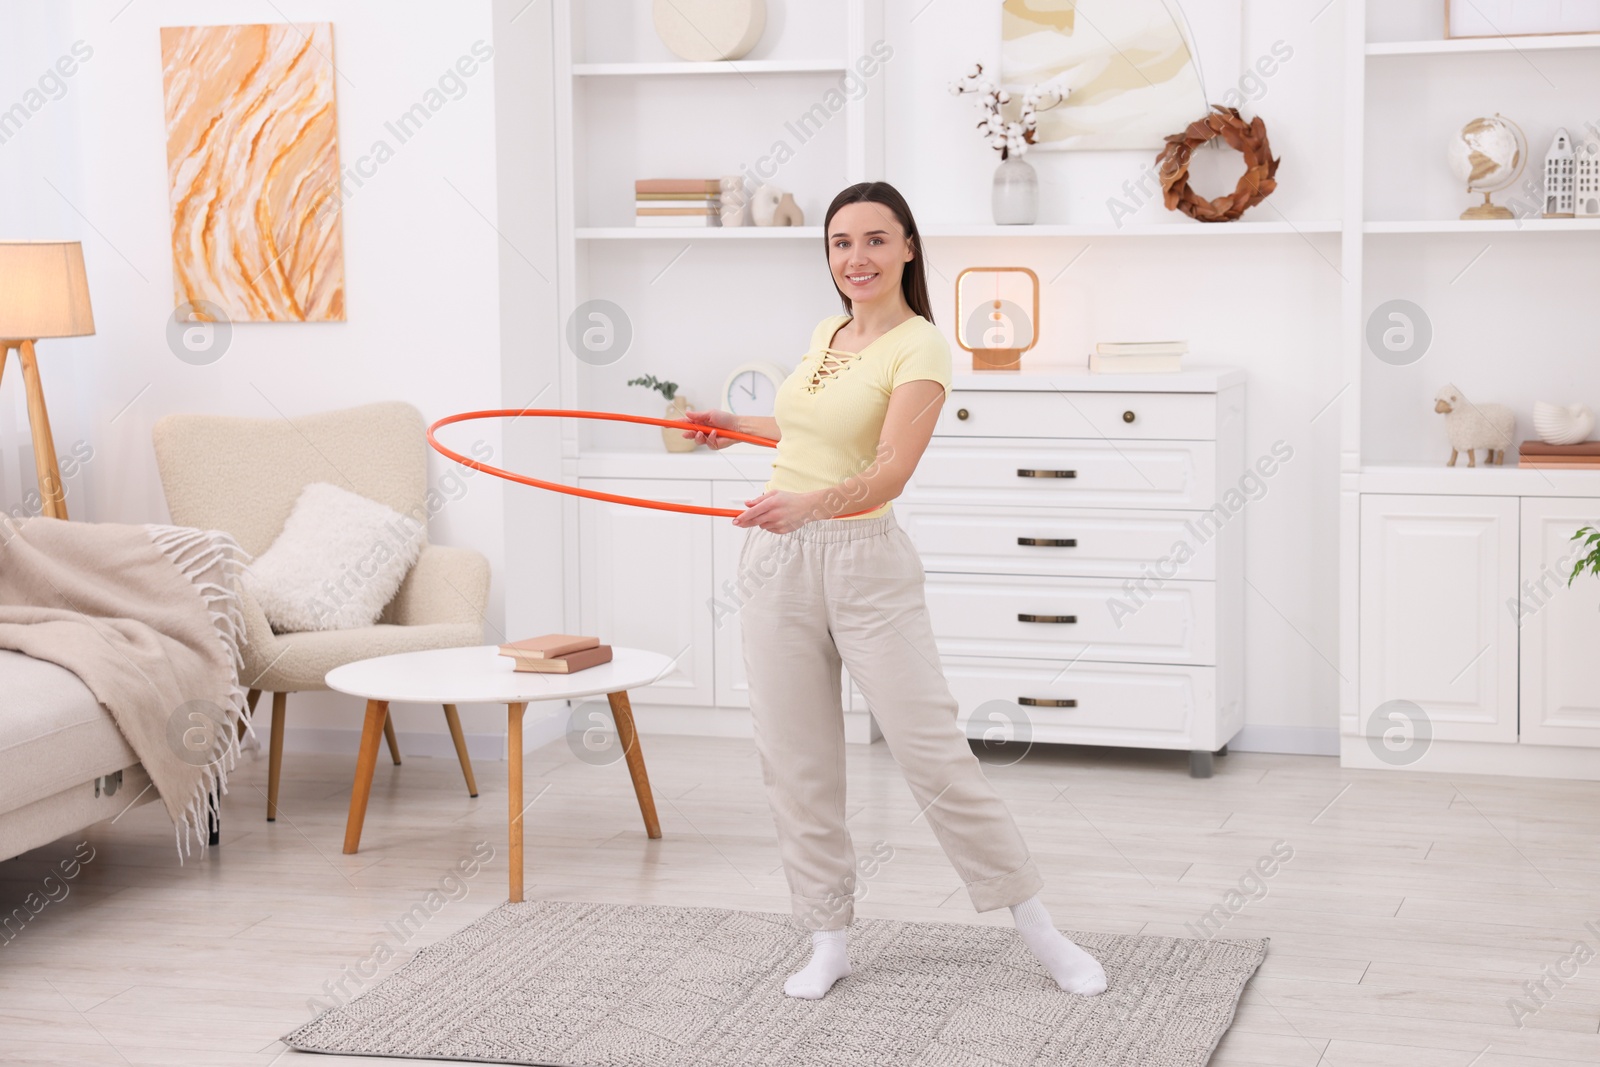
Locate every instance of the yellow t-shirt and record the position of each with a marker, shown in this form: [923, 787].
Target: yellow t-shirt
[830, 410]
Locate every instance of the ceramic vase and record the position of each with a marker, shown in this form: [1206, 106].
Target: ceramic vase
[1016, 193]
[673, 436]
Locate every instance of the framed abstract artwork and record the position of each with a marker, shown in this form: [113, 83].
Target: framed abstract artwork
[253, 172]
[1137, 70]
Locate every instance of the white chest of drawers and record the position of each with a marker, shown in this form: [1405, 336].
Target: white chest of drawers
[1084, 551]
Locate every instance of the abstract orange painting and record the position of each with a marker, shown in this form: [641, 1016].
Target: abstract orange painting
[253, 172]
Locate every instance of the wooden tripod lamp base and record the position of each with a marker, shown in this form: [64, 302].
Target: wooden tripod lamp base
[44, 292]
[52, 494]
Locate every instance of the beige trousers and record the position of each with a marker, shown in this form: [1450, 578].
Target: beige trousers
[851, 591]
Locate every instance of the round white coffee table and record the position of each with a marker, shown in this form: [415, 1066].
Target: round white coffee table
[480, 675]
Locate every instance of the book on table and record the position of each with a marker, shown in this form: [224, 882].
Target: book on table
[571, 663]
[546, 646]
[1137, 357]
[1148, 363]
[556, 653]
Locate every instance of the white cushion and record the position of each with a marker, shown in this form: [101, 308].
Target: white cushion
[339, 560]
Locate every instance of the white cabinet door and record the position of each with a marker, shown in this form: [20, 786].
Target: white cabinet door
[1436, 573]
[1560, 625]
[646, 578]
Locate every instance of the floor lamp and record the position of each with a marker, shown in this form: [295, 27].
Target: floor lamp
[43, 293]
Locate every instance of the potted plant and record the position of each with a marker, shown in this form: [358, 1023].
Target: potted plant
[677, 408]
[1015, 198]
[1591, 561]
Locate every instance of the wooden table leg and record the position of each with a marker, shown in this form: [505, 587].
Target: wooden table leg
[622, 712]
[514, 791]
[388, 735]
[366, 764]
[453, 720]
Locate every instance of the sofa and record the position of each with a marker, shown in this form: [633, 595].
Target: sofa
[63, 763]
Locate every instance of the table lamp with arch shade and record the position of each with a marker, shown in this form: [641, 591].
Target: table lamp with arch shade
[44, 292]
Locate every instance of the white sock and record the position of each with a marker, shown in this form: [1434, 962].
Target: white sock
[1073, 969]
[830, 961]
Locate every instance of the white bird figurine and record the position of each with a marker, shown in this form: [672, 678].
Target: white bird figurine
[1558, 424]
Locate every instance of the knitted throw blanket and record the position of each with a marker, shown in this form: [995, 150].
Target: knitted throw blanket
[148, 616]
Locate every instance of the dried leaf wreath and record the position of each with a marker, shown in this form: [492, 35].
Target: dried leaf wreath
[1249, 138]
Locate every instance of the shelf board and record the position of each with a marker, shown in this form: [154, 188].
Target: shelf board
[725, 66]
[1483, 226]
[1165, 229]
[1464, 45]
[1149, 229]
[716, 233]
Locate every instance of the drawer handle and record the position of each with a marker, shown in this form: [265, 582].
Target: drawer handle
[1048, 702]
[1127, 416]
[961, 413]
[1024, 472]
[1049, 542]
[1023, 616]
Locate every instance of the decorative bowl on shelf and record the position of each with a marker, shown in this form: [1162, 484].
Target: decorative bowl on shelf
[1561, 424]
[710, 30]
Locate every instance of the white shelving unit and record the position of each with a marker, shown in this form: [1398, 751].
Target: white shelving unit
[1408, 630]
[609, 66]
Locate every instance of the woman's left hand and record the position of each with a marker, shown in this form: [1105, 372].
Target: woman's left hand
[779, 511]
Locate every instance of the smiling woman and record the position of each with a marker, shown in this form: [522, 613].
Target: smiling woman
[854, 419]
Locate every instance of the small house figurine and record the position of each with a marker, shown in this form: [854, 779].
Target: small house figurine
[1558, 173]
[1586, 180]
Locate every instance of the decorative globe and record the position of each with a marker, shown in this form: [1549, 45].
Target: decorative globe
[1488, 155]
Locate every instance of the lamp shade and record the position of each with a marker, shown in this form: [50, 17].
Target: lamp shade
[43, 290]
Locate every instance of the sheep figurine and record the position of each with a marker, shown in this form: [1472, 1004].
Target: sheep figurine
[1491, 427]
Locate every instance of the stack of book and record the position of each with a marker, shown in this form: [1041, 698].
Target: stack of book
[678, 202]
[1585, 455]
[1138, 357]
[556, 653]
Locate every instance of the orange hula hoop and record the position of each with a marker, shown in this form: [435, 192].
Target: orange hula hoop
[572, 490]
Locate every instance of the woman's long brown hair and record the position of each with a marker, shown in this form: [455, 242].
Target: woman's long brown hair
[913, 280]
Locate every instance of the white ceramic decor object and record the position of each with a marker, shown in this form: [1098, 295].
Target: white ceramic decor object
[709, 30]
[1014, 198]
[764, 205]
[1561, 424]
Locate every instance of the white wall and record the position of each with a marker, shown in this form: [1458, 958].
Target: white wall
[421, 258]
[445, 313]
[1267, 304]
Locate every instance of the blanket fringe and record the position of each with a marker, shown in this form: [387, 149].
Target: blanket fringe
[195, 553]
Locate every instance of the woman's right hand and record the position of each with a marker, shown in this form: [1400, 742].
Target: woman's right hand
[715, 420]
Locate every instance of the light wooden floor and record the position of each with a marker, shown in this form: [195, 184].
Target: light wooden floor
[1413, 908]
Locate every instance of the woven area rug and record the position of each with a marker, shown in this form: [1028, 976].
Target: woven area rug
[565, 984]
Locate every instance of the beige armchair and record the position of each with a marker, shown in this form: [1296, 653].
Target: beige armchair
[243, 476]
